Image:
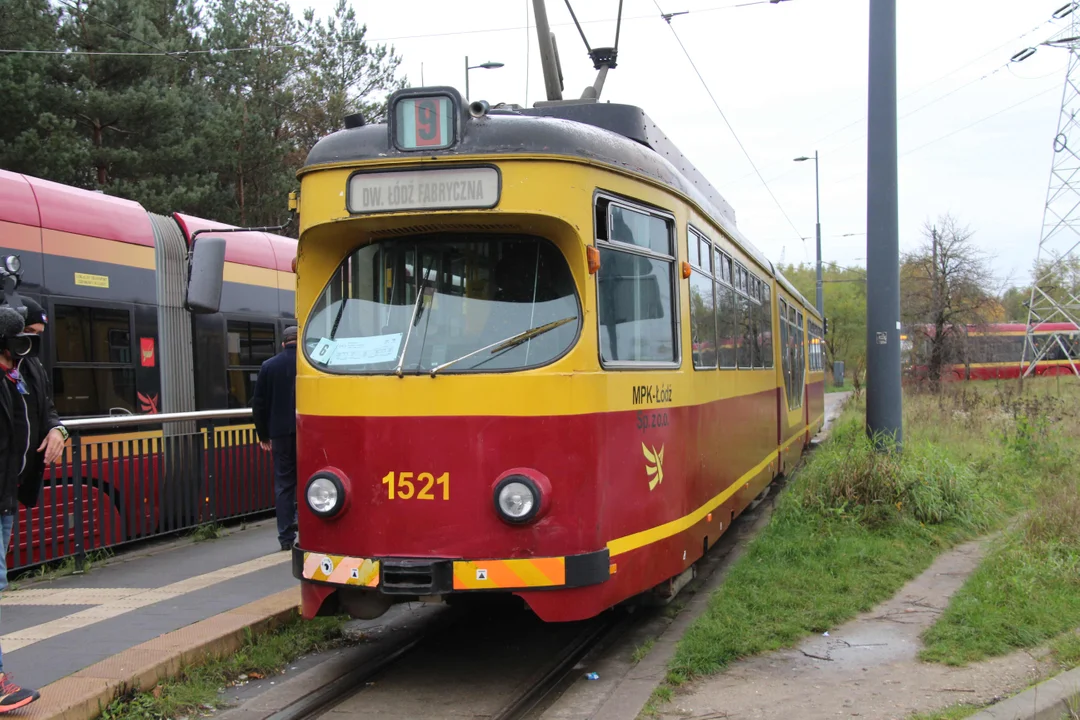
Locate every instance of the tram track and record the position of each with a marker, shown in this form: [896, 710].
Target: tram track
[461, 665]
[563, 666]
[489, 678]
[497, 663]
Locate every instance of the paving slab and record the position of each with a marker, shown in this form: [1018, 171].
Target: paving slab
[83, 695]
[56, 629]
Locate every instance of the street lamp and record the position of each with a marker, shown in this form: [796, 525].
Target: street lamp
[486, 66]
[817, 202]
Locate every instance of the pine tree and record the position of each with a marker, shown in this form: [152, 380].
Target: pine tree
[140, 113]
[37, 136]
[200, 106]
[253, 92]
[343, 75]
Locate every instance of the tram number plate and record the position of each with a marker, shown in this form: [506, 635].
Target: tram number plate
[422, 486]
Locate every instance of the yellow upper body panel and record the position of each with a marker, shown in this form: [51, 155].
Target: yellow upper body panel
[548, 197]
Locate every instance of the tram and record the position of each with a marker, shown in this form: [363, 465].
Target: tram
[994, 351]
[111, 277]
[538, 358]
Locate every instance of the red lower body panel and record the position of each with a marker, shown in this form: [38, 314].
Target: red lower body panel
[630, 500]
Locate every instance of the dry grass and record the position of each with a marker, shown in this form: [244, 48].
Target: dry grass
[1027, 590]
[855, 524]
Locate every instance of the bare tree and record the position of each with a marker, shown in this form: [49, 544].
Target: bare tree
[946, 287]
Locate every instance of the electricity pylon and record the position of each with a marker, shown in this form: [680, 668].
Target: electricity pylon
[1051, 301]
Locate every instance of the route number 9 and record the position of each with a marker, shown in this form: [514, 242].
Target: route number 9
[424, 122]
[428, 125]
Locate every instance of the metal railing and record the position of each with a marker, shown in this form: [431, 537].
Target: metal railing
[133, 477]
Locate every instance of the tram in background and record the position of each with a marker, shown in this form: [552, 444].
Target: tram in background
[994, 351]
[537, 357]
[112, 277]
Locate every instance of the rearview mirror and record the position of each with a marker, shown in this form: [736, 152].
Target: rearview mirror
[206, 273]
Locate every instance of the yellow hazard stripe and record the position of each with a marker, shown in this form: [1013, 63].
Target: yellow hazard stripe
[341, 569]
[499, 574]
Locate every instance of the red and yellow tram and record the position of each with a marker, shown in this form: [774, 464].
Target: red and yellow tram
[995, 351]
[538, 358]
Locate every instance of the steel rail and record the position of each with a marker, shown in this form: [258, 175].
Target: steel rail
[549, 677]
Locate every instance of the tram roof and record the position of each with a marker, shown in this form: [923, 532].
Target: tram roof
[613, 134]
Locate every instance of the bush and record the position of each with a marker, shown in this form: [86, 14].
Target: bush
[850, 478]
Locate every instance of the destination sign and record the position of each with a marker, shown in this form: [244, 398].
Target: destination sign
[443, 189]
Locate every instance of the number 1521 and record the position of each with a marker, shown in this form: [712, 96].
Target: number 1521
[401, 486]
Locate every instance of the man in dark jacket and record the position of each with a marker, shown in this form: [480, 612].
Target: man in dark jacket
[31, 439]
[274, 411]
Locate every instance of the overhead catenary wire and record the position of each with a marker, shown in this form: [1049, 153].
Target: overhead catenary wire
[949, 74]
[970, 125]
[728, 123]
[1007, 65]
[421, 36]
[982, 120]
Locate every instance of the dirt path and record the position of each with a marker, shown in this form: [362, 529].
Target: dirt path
[867, 668]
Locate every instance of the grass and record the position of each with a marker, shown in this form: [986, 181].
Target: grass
[642, 651]
[197, 689]
[209, 531]
[953, 712]
[1065, 650]
[57, 568]
[854, 525]
[1026, 592]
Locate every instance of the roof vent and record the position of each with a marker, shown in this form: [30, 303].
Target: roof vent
[354, 121]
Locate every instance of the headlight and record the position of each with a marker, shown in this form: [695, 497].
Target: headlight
[325, 495]
[517, 499]
[13, 263]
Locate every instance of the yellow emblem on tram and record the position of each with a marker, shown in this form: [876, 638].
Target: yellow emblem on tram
[654, 465]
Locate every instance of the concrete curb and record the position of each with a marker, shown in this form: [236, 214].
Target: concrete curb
[85, 694]
[1049, 700]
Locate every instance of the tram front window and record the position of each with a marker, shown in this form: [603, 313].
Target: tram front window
[451, 303]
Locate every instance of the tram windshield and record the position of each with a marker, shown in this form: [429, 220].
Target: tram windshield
[446, 303]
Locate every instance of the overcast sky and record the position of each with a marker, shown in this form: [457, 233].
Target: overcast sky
[791, 78]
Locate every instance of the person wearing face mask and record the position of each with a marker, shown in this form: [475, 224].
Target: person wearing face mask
[31, 438]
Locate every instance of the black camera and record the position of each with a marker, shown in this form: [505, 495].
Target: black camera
[13, 312]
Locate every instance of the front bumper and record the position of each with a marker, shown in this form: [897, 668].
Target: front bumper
[437, 576]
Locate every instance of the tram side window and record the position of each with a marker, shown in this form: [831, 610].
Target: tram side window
[767, 337]
[744, 353]
[800, 345]
[94, 373]
[635, 287]
[759, 325]
[725, 310]
[248, 345]
[785, 349]
[702, 306]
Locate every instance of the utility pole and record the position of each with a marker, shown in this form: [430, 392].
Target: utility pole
[817, 203]
[884, 416]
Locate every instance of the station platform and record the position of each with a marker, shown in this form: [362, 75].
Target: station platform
[140, 615]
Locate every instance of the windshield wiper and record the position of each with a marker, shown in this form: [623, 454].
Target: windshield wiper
[511, 342]
[416, 314]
